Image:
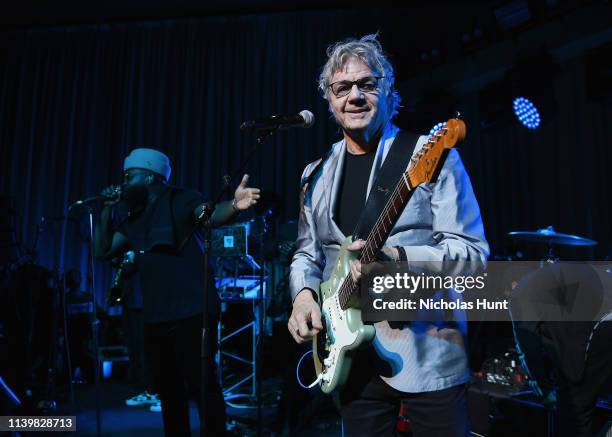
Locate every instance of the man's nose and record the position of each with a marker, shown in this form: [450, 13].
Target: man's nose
[356, 93]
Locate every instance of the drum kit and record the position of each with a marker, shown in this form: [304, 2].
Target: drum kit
[568, 338]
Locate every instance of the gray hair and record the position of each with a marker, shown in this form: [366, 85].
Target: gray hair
[368, 50]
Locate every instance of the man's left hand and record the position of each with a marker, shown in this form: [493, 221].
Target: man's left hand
[355, 265]
[245, 197]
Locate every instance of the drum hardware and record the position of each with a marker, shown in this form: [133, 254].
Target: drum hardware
[552, 238]
[545, 347]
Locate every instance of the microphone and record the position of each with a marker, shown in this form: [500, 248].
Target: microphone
[304, 119]
[115, 195]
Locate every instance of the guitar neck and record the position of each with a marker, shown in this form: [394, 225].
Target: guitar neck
[379, 233]
[386, 220]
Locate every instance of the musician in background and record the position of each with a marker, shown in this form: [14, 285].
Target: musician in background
[425, 363]
[171, 274]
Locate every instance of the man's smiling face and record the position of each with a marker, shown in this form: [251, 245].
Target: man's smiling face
[360, 112]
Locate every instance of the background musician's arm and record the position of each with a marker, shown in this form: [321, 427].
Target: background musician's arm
[244, 198]
[107, 242]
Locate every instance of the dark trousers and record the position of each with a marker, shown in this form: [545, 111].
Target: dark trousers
[370, 407]
[134, 327]
[173, 352]
[79, 335]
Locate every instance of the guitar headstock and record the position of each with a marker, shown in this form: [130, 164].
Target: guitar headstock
[426, 164]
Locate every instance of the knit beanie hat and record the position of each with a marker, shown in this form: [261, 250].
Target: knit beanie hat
[148, 159]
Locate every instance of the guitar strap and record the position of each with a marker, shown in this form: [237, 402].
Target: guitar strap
[393, 167]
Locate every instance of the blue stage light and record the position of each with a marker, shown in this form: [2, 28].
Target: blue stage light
[526, 112]
[436, 128]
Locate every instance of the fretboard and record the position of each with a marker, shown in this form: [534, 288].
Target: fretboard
[379, 234]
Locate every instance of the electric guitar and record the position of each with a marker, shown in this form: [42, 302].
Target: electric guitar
[344, 330]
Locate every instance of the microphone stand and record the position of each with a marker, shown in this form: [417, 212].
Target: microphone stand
[204, 220]
[260, 325]
[95, 323]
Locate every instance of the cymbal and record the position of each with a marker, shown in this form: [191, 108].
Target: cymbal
[550, 236]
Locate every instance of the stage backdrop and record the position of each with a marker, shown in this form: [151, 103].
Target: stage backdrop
[75, 100]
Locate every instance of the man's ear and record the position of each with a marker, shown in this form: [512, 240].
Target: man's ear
[150, 179]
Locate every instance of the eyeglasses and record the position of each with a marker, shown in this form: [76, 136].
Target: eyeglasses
[365, 85]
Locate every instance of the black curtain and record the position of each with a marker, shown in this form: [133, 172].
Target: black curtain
[75, 100]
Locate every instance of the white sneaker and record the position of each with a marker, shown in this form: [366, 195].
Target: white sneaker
[143, 398]
[156, 408]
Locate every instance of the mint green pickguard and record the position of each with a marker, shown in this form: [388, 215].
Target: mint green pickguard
[364, 333]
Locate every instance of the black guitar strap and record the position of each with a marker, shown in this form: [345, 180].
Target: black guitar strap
[389, 174]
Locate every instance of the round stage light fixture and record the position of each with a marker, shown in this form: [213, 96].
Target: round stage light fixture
[526, 112]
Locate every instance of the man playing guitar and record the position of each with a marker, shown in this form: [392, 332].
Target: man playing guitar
[424, 363]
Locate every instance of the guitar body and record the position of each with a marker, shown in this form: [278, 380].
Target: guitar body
[344, 330]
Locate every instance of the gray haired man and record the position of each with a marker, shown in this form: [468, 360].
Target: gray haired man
[424, 363]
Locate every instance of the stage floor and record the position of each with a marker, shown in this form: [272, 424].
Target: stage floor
[119, 420]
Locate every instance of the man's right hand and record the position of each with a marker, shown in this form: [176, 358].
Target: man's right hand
[113, 195]
[305, 320]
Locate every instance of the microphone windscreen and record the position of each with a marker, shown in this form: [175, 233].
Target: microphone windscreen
[308, 117]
